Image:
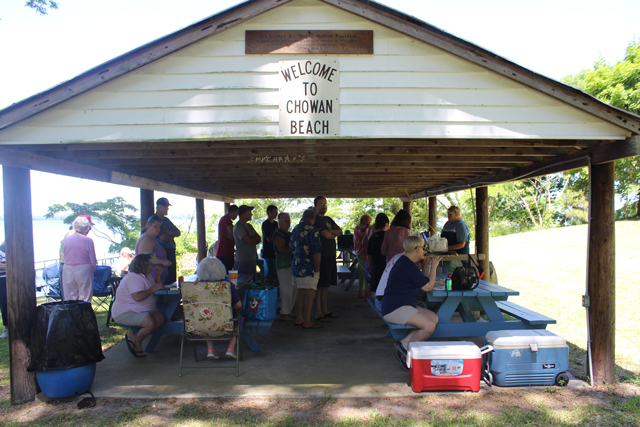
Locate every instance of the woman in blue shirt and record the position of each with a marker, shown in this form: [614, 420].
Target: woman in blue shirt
[400, 295]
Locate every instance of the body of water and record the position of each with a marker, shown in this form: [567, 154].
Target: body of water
[48, 233]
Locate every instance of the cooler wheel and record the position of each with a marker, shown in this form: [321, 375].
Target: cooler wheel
[562, 380]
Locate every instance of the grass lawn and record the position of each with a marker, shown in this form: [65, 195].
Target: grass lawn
[547, 268]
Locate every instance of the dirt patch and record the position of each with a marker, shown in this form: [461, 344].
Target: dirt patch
[556, 404]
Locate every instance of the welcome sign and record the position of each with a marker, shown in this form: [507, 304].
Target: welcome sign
[309, 97]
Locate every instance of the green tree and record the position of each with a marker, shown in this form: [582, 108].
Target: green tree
[619, 85]
[41, 6]
[117, 215]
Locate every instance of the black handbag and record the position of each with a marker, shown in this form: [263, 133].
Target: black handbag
[464, 279]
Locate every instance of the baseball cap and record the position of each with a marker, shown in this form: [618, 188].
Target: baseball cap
[88, 219]
[163, 201]
[243, 208]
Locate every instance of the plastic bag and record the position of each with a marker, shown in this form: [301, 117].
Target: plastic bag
[65, 335]
[260, 302]
[438, 244]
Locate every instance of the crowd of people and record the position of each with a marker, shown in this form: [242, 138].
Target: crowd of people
[301, 262]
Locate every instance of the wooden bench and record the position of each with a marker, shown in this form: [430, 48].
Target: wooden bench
[395, 331]
[524, 314]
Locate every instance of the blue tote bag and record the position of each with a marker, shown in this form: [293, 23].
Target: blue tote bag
[259, 302]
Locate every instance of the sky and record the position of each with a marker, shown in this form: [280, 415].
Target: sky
[551, 37]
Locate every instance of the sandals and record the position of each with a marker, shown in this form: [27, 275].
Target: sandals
[400, 347]
[402, 362]
[132, 348]
[323, 319]
[330, 316]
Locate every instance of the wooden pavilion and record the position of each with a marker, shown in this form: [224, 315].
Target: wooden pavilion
[296, 98]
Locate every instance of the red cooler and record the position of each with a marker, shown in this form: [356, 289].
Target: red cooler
[444, 366]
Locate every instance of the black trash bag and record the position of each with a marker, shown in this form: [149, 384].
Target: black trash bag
[64, 336]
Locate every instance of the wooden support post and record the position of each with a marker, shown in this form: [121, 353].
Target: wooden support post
[226, 207]
[433, 214]
[407, 206]
[201, 230]
[601, 273]
[482, 228]
[21, 290]
[147, 206]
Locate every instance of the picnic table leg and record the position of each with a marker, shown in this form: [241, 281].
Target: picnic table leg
[489, 306]
[248, 338]
[168, 307]
[466, 313]
[447, 309]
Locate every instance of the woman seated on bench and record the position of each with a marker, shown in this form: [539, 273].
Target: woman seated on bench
[401, 293]
[135, 303]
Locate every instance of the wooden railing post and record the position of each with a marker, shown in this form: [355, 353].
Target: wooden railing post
[21, 290]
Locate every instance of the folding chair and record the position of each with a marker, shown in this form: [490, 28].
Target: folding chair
[112, 285]
[208, 315]
[101, 292]
[52, 286]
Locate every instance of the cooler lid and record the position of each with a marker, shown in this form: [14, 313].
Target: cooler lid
[443, 350]
[524, 338]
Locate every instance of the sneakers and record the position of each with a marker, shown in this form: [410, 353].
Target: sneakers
[213, 354]
[5, 334]
[231, 353]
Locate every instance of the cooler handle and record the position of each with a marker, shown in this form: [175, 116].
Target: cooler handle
[486, 349]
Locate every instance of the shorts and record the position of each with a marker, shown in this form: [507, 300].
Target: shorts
[401, 315]
[131, 318]
[270, 269]
[328, 272]
[307, 282]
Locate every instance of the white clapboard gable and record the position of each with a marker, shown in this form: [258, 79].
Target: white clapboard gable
[212, 90]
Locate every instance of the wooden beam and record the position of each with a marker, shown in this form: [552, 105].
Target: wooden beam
[601, 273]
[135, 59]
[482, 228]
[201, 229]
[21, 291]
[322, 143]
[268, 153]
[599, 155]
[147, 206]
[433, 215]
[21, 159]
[424, 32]
[407, 206]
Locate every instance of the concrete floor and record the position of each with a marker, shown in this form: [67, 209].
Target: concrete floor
[349, 357]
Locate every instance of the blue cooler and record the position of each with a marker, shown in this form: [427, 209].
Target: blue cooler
[526, 357]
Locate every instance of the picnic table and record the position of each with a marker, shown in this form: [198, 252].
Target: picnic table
[168, 302]
[487, 297]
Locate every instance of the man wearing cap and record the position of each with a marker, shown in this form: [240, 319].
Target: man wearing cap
[226, 244]
[247, 240]
[168, 231]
